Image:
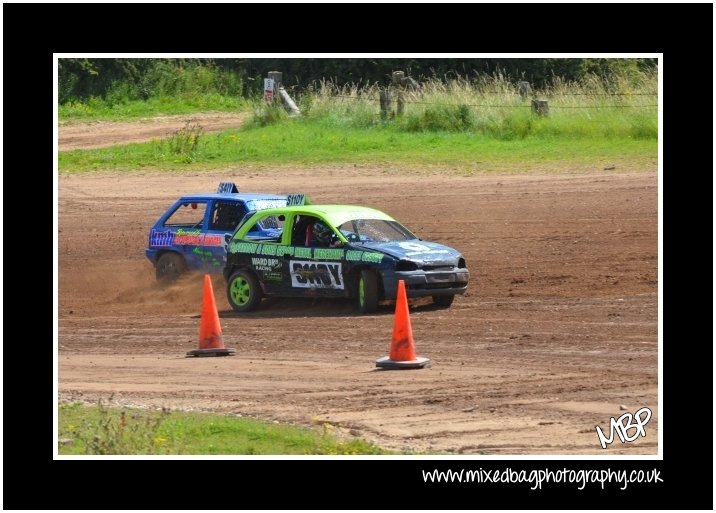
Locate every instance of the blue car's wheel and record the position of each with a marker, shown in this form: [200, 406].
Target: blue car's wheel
[169, 267]
[367, 292]
[243, 291]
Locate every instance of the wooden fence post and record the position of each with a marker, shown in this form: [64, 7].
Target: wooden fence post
[384, 103]
[401, 104]
[524, 90]
[277, 77]
[540, 107]
[398, 79]
[271, 85]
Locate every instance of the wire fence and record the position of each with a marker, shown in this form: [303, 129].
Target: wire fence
[487, 105]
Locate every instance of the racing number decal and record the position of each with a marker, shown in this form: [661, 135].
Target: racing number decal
[414, 246]
[316, 275]
[295, 200]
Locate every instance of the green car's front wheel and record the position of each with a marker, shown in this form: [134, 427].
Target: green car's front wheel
[243, 291]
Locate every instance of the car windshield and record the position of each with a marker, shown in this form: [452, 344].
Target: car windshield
[375, 230]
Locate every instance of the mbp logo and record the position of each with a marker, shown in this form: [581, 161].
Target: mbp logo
[623, 424]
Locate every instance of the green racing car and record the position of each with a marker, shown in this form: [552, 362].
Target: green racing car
[337, 251]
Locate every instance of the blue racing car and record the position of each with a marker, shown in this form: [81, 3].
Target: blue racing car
[191, 234]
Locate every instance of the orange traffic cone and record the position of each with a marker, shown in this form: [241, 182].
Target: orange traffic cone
[210, 343]
[402, 346]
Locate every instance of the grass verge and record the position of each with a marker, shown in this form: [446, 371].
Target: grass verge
[103, 430]
[99, 109]
[315, 142]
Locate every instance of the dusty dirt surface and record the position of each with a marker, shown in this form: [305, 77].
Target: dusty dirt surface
[556, 335]
[100, 134]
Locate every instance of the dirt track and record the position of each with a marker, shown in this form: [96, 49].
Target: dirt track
[100, 134]
[557, 331]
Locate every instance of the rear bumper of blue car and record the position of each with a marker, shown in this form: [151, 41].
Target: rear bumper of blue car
[152, 254]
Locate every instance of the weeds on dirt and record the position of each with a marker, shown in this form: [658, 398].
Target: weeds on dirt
[112, 431]
[183, 146]
[185, 141]
[99, 429]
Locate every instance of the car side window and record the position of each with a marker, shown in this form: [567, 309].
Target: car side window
[267, 221]
[188, 213]
[226, 215]
[301, 235]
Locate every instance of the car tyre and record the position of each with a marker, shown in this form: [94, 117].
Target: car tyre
[443, 301]
[169, 267]
[367, 291]
[243, 291]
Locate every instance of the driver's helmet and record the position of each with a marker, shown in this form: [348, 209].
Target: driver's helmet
[322, 233]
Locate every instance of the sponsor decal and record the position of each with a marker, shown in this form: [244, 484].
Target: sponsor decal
[268, 249]
[213, 240]
[157, 238]
[262, 204]
[328, 254]
[364, 256]
[302, 252]
[184, 238]
[207, 256]
[316, 275]
[307, 253]
[420, 249]
[262, 249]
[374, 258]
[244, 247]
[187, 240]
[266, 264]
[284, 250]
[273, 276]
[414, 246]
[430, 252]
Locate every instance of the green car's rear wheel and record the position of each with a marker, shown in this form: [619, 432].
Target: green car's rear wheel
[367, 291]
[243, 291]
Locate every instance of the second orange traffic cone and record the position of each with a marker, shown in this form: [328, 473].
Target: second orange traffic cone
[210, 342]
[402, 345]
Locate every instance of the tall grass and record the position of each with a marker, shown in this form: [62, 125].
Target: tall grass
[492, 106]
